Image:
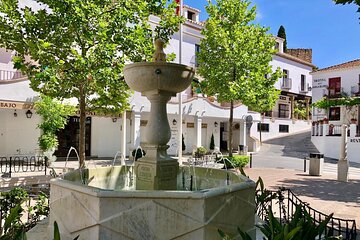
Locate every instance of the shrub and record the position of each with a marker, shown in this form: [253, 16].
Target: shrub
[237, 161]
[183, 143]
[212, 142]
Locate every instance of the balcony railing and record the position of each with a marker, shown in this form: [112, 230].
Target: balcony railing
[304, 88]
[355, 91]
[335, 92]
[286, 83]
[6, 75]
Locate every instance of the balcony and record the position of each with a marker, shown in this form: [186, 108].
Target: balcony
[304, 88]
[286, 83]
[355, 91]
[335, 92]
[6, 75]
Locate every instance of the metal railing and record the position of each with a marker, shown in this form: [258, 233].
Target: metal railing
[286, 207]
[10, 75]
[355, 90]
[334, 130]
[17, 164]
[286, 83]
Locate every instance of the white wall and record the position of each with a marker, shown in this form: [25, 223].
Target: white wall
[329, 146]
[105, 136]
[294, 127]
[295, 71]
[18, 132]
[349, 78]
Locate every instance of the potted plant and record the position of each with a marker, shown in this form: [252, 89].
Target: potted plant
[200, 152]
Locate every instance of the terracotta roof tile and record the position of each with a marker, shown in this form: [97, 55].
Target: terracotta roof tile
[351, 64]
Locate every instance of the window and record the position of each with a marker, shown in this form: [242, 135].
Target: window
[283, 128]
[334, 113]
[334, 87]
[285, 74]
[303, 83]
[190, 15]
[277, 46]
[197, 50]
[264, 127]
[284, 110]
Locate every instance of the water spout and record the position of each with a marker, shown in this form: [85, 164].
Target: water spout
[121, 159]
[67, 157]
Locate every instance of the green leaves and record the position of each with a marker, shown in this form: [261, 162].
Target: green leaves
[54, 117]
[77, 49]
[235, 56]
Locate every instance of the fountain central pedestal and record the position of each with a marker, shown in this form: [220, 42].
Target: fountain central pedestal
[158, 81]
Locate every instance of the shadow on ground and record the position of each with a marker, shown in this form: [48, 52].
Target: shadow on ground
[323, 189]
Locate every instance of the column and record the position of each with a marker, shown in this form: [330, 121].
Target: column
[136, 129]
[243, 133]
[123, 137]
[307, 102]
[292, 100]
[197, 122]
[343, 164]
[352, 130]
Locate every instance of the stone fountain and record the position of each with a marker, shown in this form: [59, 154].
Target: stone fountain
[158, 81]
[156, 199]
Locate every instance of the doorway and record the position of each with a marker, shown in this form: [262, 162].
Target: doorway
[223, 137]
[70, 135]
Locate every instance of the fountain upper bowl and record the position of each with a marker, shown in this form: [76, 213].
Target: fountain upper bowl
[148, 77]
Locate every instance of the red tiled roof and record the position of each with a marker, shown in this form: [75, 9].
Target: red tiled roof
[351, 64]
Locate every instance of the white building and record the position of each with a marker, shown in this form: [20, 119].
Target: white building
[334, 82]
[202, 116]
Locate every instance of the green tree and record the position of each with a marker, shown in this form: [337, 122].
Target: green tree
[54, 117]
[235, 56]
[282, 34]
[357, 2]
[77, 49]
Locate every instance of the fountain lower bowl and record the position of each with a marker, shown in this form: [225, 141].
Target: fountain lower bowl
[110, 208]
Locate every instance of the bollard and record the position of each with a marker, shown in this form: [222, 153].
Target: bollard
[305, 164]
[251, 157]
[191, 182]
[46, 161]
[10, 167]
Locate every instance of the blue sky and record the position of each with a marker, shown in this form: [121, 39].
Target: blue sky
[332, 31]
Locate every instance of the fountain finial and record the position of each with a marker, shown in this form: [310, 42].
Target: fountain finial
[159, 55]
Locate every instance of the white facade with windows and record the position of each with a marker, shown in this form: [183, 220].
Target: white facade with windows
[334, 82]
[202, 116]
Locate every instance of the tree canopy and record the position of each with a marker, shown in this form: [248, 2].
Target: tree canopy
[357, 2]
[77, 48]
[235, 57]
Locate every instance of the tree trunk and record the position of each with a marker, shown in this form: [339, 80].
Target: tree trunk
[230, 140]
[260, 130]
[82, 128]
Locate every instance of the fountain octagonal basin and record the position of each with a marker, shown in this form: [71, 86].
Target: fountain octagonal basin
[102, 209]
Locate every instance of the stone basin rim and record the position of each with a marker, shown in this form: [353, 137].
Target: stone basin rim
[158, 64]
[201, 194]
